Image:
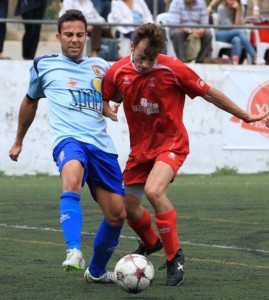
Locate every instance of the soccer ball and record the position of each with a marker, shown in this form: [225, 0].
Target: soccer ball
[134, 273]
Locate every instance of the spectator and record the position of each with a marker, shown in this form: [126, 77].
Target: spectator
[255, 12]
[167, 4]
[92, 16]
[190, 12]
[31, 10]
[161, 5]
[230, 12]
[3, 27]
[129, 11]
[103, 7]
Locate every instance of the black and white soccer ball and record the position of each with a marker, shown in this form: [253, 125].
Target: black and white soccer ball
[134, 273]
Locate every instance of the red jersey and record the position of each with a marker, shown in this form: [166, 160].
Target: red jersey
[153, 104]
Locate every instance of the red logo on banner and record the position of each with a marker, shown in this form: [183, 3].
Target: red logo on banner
[258, 102]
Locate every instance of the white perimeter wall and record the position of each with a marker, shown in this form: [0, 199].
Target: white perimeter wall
[203, 121]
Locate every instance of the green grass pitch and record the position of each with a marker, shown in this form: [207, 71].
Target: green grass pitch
[223, 223]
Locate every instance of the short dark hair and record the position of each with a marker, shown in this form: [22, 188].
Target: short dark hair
[72, 15]
[154, 34]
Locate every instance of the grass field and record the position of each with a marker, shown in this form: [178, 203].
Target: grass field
[223, 223]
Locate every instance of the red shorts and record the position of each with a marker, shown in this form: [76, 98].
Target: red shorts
[137, 172]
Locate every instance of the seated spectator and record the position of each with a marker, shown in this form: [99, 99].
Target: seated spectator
[92, 16]
[190, 43]
[230, 12]
[255, 12]
[129, 11]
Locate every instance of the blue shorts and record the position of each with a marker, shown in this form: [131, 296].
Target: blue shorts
[100, 168]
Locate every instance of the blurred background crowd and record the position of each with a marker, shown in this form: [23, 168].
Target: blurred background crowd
[198, 31]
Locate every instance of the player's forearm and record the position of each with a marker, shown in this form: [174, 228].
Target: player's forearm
[26, 116]
[238, 16]
[220, 100]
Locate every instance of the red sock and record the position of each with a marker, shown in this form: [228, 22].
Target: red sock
[145, 230]
[167, 226]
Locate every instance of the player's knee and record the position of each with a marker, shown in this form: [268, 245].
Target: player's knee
[117, 218]
[152, 193]
[72, 185]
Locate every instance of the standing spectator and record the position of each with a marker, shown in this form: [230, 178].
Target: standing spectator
[153, 88]
[3, 27]
[191, 12]
[161, 5]
[92, 16]
[230, 12]
[103, 7]
[82, 149]
[129, 11]
[31, 10]
[255, 12]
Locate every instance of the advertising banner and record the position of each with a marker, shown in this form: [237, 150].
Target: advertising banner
[251, 92]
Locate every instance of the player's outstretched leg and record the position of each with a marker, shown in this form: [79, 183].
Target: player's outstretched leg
[71, 222]
[167, 226]
[106, 240]
[150, 241]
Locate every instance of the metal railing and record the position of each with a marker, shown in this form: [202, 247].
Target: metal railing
[54, 22]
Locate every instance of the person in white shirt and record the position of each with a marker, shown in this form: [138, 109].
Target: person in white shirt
[129, 11]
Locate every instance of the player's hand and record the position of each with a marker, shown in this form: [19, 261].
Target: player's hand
[257, 117]
[111, 112]
[267, 122]
[15, 151]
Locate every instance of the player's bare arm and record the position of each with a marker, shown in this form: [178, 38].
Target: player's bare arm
[26, 116]
[223, 102]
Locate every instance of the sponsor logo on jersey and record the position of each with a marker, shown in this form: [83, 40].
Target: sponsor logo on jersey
[146, 107]
[98, 72]
[152, 82]
[72, 82]
[258, 102]
[200, 83]
[126, 80]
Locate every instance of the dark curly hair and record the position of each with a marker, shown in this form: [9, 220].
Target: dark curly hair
[71, 15]
[156, 38]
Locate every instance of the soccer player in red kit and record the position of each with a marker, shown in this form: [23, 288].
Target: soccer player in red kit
[153, 87]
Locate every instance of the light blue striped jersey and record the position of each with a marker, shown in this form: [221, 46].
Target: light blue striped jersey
[73, 91]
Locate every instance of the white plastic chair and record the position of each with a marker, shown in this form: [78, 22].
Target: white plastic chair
[217, 46]
[161, 19]
[261, 47]
[124, 43]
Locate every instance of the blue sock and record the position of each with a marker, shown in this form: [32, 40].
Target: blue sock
[106, 240]
[71, 219]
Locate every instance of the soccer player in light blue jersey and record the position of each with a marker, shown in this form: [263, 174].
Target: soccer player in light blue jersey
[82, 149]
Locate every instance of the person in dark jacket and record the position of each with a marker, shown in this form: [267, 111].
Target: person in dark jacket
[3, 27]
[31, 10]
